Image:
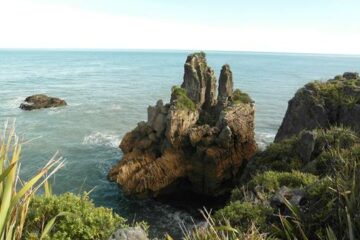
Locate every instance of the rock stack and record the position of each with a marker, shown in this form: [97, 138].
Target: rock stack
[196, 143]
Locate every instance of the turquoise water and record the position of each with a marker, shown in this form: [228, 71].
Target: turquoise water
[108, 93]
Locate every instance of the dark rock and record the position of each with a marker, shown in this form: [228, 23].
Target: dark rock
[293, 196]
[351, 75]
[39, 101]
[306, 145]
[226, 84]
[195, 77]
[210, 92]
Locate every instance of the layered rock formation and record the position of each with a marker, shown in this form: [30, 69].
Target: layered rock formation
[198, 142]
[39, 101]
[322, 104]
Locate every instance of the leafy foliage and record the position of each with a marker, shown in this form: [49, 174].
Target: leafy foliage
[241, 97]
[182, 100]
[242, 214]
[333, 93]
[272, 181]
[85, 221]
[15, 197]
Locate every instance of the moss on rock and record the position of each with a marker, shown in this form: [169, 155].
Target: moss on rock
[182, 100]
[241, 97]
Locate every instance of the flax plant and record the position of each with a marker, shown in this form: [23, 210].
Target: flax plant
[15, 194]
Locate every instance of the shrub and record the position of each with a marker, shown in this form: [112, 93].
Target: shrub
[332, 93]
[241, 97]
[84, 221]
[272, 181]
[242, 214]
[182, 100]
[276, 157]
[15, 194]
[337, 137]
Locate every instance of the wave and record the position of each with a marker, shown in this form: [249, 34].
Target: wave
[102, 139]
[263, 139]
[15, 102]
[115, 107]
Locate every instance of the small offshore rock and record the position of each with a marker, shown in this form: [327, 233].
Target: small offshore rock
[131, 233]
[39, 101]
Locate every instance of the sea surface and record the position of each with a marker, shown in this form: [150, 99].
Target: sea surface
[108, 92]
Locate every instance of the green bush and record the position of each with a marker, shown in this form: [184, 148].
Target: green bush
[337, 137]
[241, 97]
[242, 214]
[84, 221]
[276, 157]
[182, 100]
[333, 93]
[272, 181]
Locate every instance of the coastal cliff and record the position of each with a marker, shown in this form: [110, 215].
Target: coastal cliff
[305, 185]
[322, 104]
[196, 143]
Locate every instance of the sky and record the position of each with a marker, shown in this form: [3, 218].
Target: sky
[300, 26]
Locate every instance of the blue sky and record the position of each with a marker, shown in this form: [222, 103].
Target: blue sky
[320, 26]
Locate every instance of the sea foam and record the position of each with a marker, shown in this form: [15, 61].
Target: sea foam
[102, 139]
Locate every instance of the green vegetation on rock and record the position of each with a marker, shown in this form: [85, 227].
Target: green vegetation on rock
[334, 92]
[83, 221]
[200, 54]
[328, 188]
[241, 97]
[182, 100]
[242, 214]
[271, 181]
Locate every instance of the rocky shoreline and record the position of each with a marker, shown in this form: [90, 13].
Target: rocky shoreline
[202, 142]
[199, 150]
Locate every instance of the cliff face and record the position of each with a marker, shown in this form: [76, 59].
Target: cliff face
[321, 104]
[197, 142]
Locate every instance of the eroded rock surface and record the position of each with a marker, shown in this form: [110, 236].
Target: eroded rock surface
[39, 101]
[191, 144]
[322, 104]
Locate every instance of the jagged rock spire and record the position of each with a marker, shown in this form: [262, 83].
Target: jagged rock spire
[226, 84]
[210, 92]
[199, 80]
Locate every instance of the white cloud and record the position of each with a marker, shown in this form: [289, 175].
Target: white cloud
[29, 25]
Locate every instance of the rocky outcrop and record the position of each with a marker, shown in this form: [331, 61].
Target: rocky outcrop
[39, 101]
[226, 84]
[322, 104]
[191, 144]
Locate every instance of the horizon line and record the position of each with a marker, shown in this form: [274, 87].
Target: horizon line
[176, 50]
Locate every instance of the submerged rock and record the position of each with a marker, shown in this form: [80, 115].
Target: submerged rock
[39, 101]
[191, 144]
[322, 104]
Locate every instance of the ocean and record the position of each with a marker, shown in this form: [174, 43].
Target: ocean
[108, 92]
